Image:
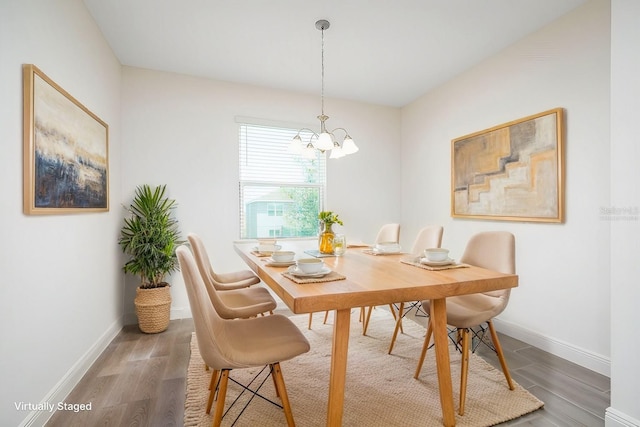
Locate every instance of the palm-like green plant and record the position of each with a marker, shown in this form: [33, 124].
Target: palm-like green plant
[150, 236]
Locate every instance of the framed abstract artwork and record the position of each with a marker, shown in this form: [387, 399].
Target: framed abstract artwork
[66, 150]
[511, 172]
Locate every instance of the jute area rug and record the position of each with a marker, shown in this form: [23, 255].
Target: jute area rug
[380, 388]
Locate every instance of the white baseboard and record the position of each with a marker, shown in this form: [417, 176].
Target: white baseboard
[615, 418]
[579, 356]
[66, 384]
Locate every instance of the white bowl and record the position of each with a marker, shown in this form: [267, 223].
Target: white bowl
[283, 256]
[310, 265]
[436, 254]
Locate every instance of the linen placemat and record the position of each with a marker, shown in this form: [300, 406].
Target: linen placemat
[302, 280]
[433, 268]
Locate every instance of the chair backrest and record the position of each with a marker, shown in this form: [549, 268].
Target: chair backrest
[202, 259]
[493, 250]
[211, 332]
[428, 237]
[388, 233]
[204, 268]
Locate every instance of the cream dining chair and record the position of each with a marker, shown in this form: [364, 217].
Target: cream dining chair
[494, 251]
[388, 233]
[232, 300]
[236, 344]
[428, 237]
[222, 281]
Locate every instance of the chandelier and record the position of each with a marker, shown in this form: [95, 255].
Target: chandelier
[325, 140]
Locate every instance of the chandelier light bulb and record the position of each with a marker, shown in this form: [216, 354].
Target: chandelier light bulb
[337, 152]
[348, 146]
[324, 142]
[296, 146]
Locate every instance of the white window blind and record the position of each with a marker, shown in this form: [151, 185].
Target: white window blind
[281, 193]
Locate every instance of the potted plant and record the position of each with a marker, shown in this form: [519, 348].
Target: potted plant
[325, 239]
[150, 236]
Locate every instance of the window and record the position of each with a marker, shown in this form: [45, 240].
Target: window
[281, 193]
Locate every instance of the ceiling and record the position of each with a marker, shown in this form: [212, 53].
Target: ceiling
[378, 51]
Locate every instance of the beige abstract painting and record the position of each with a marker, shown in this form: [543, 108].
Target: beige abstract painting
[511, 172]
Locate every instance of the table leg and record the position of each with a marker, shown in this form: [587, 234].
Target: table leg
[338, 372]
[439, 322]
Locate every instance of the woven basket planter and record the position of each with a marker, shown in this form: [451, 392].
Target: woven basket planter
[153, 308]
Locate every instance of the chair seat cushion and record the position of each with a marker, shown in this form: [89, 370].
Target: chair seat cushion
[465, 311]
[262, 340]
[235, 280]
[247, 302]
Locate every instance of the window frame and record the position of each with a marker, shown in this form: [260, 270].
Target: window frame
[244, 184]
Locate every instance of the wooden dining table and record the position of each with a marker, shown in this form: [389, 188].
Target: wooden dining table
[372, 280]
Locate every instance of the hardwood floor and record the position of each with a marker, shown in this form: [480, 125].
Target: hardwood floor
[140, 380]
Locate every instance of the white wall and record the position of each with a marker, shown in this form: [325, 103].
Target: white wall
[182, 131]
[562, 302]
[625, 268]
[61, 296]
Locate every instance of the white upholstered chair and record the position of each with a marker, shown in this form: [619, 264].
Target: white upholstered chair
[236, 344]
[494, 251]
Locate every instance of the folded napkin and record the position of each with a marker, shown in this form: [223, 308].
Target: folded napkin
[302, 280]
[412, 261]
[372, 252]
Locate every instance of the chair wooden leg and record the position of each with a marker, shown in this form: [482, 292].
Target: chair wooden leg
[212, 389]
[395, 317]
[365, 325]
[464, 368]
[310, 320]
[222, 392]
[326, 316]
[425, 346]
[503, 361]
[276, 372]
[398, 326]
[275, 383]
[214, 378]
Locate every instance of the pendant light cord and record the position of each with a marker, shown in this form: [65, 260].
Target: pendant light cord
[322, 75]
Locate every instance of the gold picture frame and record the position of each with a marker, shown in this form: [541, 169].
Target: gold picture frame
[511, 172]
[66, 150]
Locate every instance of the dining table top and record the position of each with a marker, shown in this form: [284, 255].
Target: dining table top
[369, 279]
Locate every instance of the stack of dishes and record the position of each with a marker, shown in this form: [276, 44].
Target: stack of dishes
[282, 259]
[387, 248]
[436, 257]
[310, 268]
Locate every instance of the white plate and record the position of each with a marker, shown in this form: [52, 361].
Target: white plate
[296, 272]
[272, 263]
[448, 261]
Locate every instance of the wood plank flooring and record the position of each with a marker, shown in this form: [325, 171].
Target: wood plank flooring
[140, 380]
